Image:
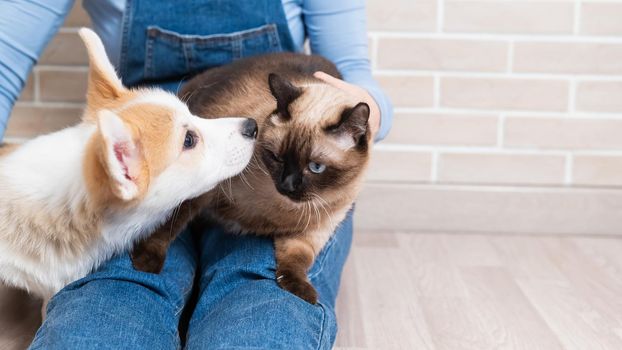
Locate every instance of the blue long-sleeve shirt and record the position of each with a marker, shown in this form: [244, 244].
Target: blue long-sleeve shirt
[336, 30]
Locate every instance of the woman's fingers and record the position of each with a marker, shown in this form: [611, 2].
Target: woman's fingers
[356, 92]
[338, 83]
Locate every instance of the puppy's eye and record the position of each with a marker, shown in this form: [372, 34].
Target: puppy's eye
[316, 168]
[190, 140]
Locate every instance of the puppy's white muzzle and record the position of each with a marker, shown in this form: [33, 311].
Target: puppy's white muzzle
[231, 140]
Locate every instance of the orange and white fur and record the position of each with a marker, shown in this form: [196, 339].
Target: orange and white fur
[71, 199]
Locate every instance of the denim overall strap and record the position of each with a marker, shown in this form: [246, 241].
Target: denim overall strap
[167, 41]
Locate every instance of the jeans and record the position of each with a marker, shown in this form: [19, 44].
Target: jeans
[216, 291]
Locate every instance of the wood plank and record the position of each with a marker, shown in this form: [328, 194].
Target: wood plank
[509, 317]
[577, 324]
[471, 250]
[351, 330]
[391, 312]
[592, 284]
[430, 268]
[454, 323]
[526, 257]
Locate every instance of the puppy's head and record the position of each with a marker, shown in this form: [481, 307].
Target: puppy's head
[148, 147]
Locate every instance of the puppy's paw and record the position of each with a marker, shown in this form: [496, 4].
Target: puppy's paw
[148, 260]
[297, 285]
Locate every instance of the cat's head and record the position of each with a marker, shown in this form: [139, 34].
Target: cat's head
[316, 143]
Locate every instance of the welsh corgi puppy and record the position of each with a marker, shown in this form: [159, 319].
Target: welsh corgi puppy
[71, 199]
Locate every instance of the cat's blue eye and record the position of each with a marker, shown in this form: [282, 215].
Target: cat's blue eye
[317, 168]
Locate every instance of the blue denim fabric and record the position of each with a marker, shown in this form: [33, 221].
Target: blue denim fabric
[166, 41]
[235, 302]
[240, 305]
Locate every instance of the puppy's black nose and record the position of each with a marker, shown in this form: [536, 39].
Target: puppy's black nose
[249, 129]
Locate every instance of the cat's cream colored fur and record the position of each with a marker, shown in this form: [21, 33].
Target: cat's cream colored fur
[301, 118]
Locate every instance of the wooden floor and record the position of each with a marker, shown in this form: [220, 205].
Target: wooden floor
[452, 291]
[455, 291]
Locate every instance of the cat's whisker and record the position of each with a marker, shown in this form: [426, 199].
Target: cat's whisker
[224, 192]
[300, 217]
[323, 204]
[231, 191]
[245, 180]
[317, 212]
[308, 217]
[174, 218]
[179, 86]
[258, 164]
[254, 164]
[186, 98]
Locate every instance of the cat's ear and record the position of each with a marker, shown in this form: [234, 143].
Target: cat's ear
[352, 128]
[284, 92]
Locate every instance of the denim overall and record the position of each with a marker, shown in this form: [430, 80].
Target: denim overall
[218, 287]
[162, 44]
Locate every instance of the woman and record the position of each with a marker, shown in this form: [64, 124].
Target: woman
[224, 283]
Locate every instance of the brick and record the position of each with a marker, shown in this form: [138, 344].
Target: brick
[400, 166]
[62, 86]
[65, 49]
[33, 121]
[504, 93]
[408, 91]
[28, 93]
[498, 210]
[509, 169]
[444, 129]
[509, 17]
[77, 17]
[448, 55]
[563, 133]
[597, 170]
[408, 15]
[572, 58]
[599, 96]
[601, 18]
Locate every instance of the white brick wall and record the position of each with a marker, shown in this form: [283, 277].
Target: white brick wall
[521, 93]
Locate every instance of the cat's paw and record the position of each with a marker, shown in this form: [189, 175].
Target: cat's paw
[147, 260]
[297, 285]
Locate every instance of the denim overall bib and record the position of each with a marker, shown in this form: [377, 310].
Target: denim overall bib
[162, 45]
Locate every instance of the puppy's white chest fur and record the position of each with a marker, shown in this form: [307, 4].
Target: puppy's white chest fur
[41, 190]
[49, 234]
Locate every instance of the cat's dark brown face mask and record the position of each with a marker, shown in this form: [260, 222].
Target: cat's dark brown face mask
[315, 143]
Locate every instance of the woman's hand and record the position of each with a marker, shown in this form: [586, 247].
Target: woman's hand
[358, 93]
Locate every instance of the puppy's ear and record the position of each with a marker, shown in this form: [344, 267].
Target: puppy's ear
[284, 92]
[103, 83]
[352, 128]
[122, 157]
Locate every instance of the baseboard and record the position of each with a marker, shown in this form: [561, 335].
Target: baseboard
[497, 210]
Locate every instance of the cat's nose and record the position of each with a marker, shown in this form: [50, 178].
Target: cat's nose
[249, 129]
[290, 183]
